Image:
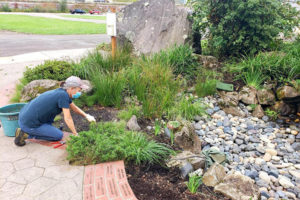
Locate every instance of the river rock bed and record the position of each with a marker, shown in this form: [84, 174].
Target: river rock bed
[258, 148]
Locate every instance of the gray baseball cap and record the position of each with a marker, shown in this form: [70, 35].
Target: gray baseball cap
[74, 81]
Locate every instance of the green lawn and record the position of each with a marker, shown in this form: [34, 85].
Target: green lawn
[86, 16]
[47, 26]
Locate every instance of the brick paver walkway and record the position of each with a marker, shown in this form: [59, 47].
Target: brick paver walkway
[107, 181]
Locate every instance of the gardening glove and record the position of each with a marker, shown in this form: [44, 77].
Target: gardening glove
[90, 118]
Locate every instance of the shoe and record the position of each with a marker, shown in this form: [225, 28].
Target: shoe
[20, 137]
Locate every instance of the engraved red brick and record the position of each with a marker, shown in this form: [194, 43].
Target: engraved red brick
[100, 187]
[112, 188]
[89, 175]
[88, 193]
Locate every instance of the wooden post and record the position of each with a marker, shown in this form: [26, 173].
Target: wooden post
[113, 38]
[113, 45]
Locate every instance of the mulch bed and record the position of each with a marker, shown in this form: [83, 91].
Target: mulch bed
[148, 182]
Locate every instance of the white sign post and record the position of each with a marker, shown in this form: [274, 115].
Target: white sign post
[111, 29]
[111, 24]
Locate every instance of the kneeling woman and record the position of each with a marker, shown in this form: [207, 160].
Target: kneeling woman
[36, 118]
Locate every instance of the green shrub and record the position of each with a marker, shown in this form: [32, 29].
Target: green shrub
[154, 85]
[243, 27]
[50, 69]
[186, 108]
[5, 8]
[194, 183]
[206, 83]
[181, 60]
[110, 141]
[108, 88]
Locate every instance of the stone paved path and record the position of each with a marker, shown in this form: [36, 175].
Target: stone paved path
[36, 172]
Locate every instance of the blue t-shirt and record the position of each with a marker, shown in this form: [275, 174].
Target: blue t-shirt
[44, 108]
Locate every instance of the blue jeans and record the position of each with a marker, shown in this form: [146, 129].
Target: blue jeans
[44, 132]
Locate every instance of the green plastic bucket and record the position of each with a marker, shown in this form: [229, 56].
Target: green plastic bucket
[9, 116]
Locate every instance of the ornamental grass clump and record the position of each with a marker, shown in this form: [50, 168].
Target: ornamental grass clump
[111, 141]
[186, 108]
[180, 59]
[280, 66]
[155, 86]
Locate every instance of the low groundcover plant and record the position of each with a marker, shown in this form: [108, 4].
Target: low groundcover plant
[111, 141]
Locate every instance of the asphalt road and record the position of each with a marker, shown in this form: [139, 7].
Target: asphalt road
[18, 43]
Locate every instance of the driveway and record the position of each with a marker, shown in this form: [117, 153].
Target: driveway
[18, 43]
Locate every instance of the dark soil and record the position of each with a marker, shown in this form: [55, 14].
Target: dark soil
[148, 182]
[157, 183]
[81, 124]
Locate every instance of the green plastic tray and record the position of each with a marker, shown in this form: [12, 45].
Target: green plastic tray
[224, 86]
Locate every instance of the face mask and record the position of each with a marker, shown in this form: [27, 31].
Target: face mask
[77, 95]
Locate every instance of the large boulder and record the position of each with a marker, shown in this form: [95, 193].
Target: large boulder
[187, 139]
[238, 187]
[286, 92]
[248, 95]
[37, 87]
[214, 175]
[265, 97]
[150, 26]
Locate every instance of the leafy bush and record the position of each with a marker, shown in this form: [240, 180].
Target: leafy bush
[110, 141]
[154, 85]
[5, 8]
[108, 88]
[186, 108]
[243, 27]
[50, 69]
[181, 60]
[206, 83]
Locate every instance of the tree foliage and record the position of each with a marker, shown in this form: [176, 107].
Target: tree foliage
[239, 27]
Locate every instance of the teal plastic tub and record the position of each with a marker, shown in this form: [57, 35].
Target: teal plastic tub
[9, 116]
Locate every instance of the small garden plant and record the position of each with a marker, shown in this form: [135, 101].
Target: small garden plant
[194, 182]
